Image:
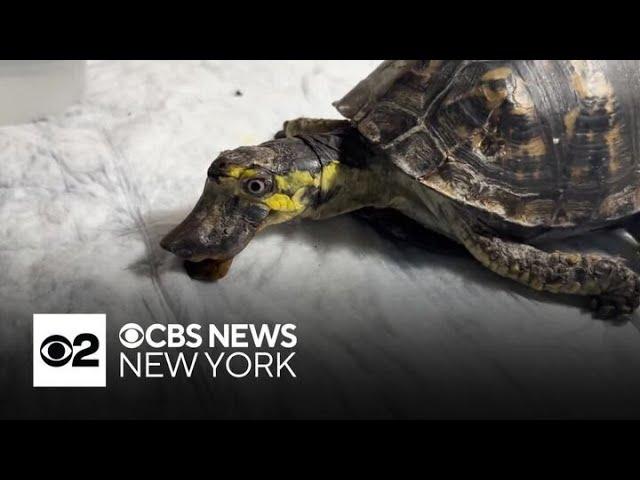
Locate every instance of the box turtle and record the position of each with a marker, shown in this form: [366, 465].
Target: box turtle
[495, 155]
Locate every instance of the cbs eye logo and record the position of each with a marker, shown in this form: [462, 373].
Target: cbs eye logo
[131, 335]
[69, 350]
[56, 351]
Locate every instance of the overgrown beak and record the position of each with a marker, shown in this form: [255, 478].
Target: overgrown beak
[218, 228]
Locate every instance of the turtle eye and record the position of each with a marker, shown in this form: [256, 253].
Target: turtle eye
[256, 186]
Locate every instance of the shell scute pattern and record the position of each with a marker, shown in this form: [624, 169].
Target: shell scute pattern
[538, 143]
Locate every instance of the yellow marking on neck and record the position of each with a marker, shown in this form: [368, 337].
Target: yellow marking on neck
[283, 203]
[240, 172]
[288, 201]
[291, 189]
[284, 208]
[329, 176]
[296, 180]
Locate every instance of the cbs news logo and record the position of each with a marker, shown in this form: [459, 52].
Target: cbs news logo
[69, 350]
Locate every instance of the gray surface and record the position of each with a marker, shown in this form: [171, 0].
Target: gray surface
[385, 330]
[32, 89]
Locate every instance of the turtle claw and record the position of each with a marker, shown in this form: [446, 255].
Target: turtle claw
[621, 295]
[602, 308]
[611, 306]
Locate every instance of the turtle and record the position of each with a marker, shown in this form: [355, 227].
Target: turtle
[496, 155]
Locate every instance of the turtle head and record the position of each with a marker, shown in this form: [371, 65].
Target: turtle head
[246, 190]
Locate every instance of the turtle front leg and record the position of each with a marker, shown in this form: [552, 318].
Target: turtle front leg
[311, 126]
[614, 287]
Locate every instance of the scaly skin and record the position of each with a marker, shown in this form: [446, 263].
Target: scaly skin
[615, 288]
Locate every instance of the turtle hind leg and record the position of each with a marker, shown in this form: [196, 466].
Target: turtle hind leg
[614, 288]
[395, 226]
[311, 126]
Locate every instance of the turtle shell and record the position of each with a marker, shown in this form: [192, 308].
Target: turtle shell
[535, 143]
